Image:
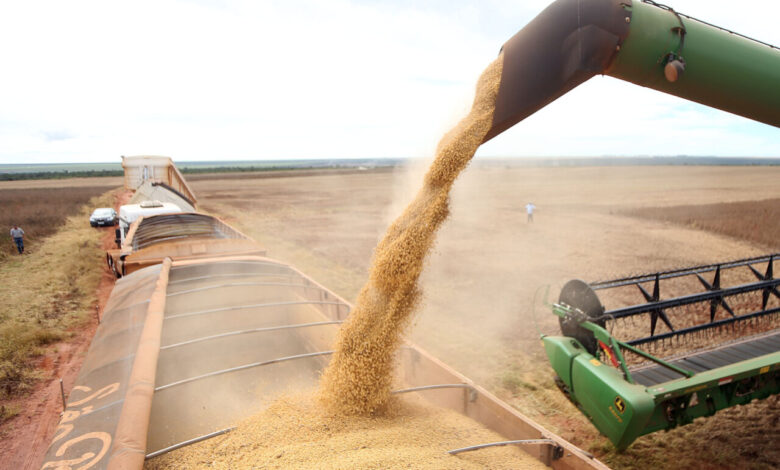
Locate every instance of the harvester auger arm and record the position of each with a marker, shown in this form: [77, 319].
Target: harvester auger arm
[641, 42]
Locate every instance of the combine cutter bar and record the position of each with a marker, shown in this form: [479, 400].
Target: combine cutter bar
[623, 411]
[726, 355]
[627, 402]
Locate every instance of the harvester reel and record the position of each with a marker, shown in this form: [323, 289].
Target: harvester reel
[579, 295]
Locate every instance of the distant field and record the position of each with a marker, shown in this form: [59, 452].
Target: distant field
[282, 173]
[40, 212]
[59, 167]
[483, 284]
[755, 221]
[14, 172]
[89, 170]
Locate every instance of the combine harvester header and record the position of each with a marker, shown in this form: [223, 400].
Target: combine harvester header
[627, 392]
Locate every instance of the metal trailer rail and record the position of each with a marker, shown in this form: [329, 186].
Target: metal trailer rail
[204, 437]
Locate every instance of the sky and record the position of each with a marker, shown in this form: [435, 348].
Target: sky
[88, 81]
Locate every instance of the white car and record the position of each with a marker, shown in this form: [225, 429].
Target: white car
[103, 216]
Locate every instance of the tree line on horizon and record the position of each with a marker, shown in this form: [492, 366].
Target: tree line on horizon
[64, 174]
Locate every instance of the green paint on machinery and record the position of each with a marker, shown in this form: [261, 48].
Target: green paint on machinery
[642, 42]
[654, 46]
[626, 402]
[682, 56]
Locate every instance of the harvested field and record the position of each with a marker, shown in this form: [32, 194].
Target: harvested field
[40, 211]
[755, 221]
[105, 181]
[483, 284]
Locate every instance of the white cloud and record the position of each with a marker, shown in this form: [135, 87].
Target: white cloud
[291, 79]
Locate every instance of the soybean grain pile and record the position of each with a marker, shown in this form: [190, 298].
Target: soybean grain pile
[357, 380]
[296, 433]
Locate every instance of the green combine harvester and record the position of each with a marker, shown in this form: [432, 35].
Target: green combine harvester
[625, 402]
[624, 390]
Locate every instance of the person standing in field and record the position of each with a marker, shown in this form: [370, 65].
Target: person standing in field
[18, 235]
[529, 209]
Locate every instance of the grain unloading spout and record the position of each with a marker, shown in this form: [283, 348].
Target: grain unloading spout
[641, 42]
[565, 45]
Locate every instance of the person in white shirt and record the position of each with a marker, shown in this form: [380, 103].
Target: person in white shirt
[529, 209]
[17, 234]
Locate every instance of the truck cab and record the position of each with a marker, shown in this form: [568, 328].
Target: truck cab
[128, 214]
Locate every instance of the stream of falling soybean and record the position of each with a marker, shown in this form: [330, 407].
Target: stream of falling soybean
[352, 422]
[358, 379]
